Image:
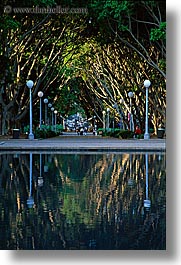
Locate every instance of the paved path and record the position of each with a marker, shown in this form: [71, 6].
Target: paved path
[82, 143]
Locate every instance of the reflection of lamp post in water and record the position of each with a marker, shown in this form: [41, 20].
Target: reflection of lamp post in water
[40, 179]
[30, 200]
[130, 180]
[147, 202]
[45, 168]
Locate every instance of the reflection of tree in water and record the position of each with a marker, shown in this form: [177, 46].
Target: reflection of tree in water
[23, 228]
[86, 202]
[75, 166]
[102, 194]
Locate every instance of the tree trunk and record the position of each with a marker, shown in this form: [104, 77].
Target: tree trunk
[4, 130]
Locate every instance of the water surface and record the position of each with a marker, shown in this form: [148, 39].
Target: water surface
[83, 201]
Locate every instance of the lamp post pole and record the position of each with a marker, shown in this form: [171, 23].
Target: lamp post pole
[55, 111]
[49, 105]
[94, 117]
[121, 114]
[147, 83]
[52, 109]
[104, 121]
[108, 112]
[130, 94]
[30, 85]
[40, 94]
[46, 102]
[95, 126]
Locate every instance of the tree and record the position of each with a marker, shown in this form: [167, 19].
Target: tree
[37, 48]
[140, 25]
[125, 53]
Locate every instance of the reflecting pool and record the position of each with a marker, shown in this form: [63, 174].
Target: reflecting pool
[77, 201]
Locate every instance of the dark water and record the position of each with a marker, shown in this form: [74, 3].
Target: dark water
[83, 201]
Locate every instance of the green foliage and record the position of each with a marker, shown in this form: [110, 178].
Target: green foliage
[26, 129]
[46, 131]
[114, 9]
[117, 133]
[69, 95]
[31, 3]
[162, 64]
[111, 7]
[158, 34]
[139, 136]
[124, 134]
[42, 134]
[44, 2]
[8, 23]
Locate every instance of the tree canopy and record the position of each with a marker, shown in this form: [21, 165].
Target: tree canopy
[91, 53]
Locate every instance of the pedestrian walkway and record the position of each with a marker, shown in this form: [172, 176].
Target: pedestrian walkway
[82, 143]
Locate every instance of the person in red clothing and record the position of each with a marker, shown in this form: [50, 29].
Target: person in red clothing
[137, 131]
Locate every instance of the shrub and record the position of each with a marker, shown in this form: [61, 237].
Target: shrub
[45, 133]
[40, 133]
[26, 129]
[124, 134]
[140, 136]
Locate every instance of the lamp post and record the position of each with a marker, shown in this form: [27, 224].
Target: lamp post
[46, 102]
[52, 110]
[108, 112]
[29, 84]
[121, 101]
[95, 126]
[130, 94]
[94, 122]
[104, 119]
[49, 105]
[147, 83]
[55, 112]
[40, 94]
